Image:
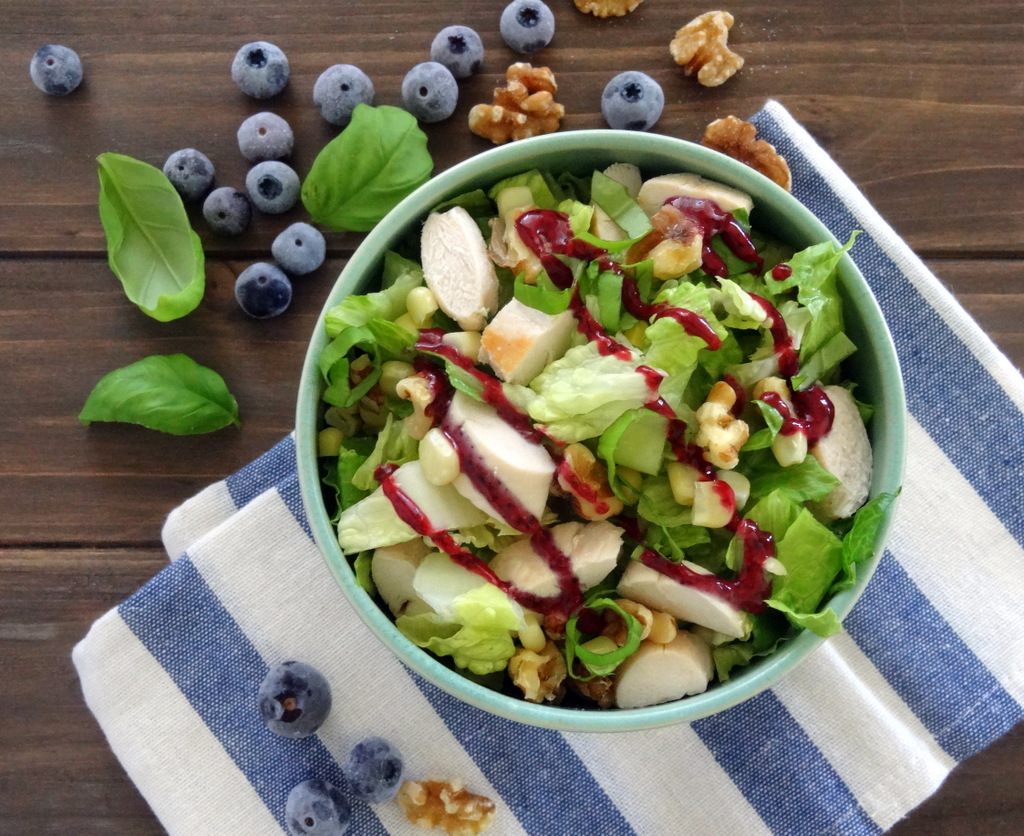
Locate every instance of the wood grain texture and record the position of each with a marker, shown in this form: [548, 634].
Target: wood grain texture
[922, 104]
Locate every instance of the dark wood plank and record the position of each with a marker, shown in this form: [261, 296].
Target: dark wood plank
[914, 109]
[58, 774]
[65, 324]
[920, 103]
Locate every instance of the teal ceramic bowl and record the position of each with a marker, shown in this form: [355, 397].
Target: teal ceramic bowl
[874, 367]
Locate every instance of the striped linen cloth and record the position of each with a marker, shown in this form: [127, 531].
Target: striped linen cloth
[929, 669]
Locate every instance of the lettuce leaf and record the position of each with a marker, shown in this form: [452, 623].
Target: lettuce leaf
[768, 629]
[581, 394]
[393, 445]
[803, 482]
[861, 540]
[814, 277]
[401, 276]
[541, 186]
[813, 556]
[340, 474]
[614, 199]
[477, 634]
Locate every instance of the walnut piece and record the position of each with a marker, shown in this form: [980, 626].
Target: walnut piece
[607, 8]
[445, 804]
[585, 481]
[737, 139]
[524, 107]
[600, 689]
[721, 433]
[540, 676]
[701, 48]
[615, 626]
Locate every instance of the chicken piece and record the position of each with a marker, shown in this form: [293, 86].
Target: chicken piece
[457, 269]
[660, 673]
[845, 452]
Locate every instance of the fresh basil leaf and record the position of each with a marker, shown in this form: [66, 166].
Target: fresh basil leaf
[364, 172]
[171, 393]
[151, 247]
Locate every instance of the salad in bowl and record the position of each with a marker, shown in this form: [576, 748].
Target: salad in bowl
[596, 442]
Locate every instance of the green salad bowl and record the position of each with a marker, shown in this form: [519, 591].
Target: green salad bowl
[874, 367]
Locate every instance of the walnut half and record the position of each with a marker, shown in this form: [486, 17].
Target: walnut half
[737, 139]
[607, 8]
[524, 107]
[445, 804]
[540, 676]
[701, 48]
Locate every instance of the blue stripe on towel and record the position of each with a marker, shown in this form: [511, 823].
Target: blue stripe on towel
[955, 696]
[291, 495]
[186, 628]
[538, 775]
[780, 771]
[935, 361]
[250, 481]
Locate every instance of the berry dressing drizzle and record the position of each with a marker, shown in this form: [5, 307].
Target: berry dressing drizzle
[570, 595]
[548, 234]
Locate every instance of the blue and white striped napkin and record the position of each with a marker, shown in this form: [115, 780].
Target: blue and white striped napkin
[929, 670]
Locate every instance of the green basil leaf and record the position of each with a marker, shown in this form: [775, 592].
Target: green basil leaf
[151, 247]
[363, 172]
[167, 392]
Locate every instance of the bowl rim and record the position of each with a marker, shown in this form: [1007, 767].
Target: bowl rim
[669, 154]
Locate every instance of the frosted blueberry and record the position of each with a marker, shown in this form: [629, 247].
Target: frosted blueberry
[339, 89]
[288, 702]
[260, 70]
[430, 92]
[56, 69]
[273, 186]
[316, 808]
[294, 697]
[299, 249]
[265, 136]
[374, 770]
[227, 211]
[190, 172]
[632, 101]
[460, 49]
[527, 25]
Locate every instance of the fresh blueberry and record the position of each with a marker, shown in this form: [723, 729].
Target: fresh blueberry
[338, 90]
[374, 770]
[262, 290]
[227, 211]
[316, 808]
[294, 697]
[460, 49]
[300, 249]
[632, 101]
[265, 136]
[56, 69]
[190, 172]
[430, 91]
[273, 186]
[527, 25]
[260, 70]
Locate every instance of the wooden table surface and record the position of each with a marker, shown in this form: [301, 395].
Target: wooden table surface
[922, 103]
